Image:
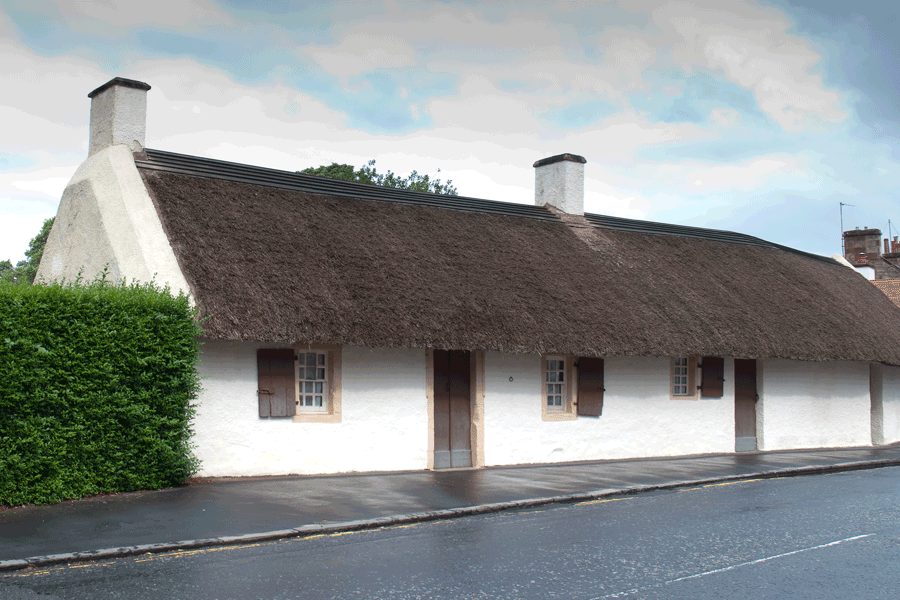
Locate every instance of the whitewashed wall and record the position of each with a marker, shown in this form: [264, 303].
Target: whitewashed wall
[891, 404]
[106, 219]
[639, 417]
[384, 422]
[813, 405]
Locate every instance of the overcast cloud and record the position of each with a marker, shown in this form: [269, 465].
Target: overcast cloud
[758, 117]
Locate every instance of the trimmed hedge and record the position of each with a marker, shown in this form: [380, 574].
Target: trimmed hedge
[96, 390]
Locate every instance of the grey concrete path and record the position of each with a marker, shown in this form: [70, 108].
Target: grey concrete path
[239, 510]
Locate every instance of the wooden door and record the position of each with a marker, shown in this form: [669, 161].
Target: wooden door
[452, 409]
[744, 405]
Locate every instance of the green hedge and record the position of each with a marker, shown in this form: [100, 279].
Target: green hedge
[96, 390]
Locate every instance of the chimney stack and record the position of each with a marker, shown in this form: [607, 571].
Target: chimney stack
[895, 245]
[118, 115]
[559, 182]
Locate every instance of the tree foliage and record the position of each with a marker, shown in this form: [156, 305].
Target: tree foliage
[369, 174]
[25, 270]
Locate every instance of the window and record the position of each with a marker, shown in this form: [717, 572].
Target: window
[683, 381]
[303, 382]
[312, 382]
[555, 383]
[557, 401]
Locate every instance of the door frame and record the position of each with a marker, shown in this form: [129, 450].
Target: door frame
[476, 406]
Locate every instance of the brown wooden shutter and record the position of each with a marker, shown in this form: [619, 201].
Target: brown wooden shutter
[275, 368]
[590, 387]
[712, 377]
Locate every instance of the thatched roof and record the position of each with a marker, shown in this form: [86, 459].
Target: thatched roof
[280, 264]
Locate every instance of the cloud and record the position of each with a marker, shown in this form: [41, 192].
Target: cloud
[359, 51]
[752, 46]
[111, 17]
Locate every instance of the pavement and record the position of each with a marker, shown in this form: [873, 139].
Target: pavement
[229, 511]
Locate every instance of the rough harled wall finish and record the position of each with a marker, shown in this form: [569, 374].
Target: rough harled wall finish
[876, 403]
[118, 116]
[106, 218]
[383, 426]
[813, 404]
[560, 184]
[639, 417]
[890, 399]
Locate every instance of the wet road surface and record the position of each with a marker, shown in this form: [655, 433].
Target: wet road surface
[824, 536]
[253, 505]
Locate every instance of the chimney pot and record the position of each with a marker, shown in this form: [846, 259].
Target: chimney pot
[118, 114]
[559, 182]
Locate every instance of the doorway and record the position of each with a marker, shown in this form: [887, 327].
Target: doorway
[452, 409]
[745, 398]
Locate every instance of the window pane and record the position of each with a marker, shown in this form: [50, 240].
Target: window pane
[549, 400]
[318, 400]
[310, 373]
[562, 365]
[318, 388]
[308, 387]
[321, 360]
[551, 365]
[561, 374]
[321, 374]
[551, 376]
[307, 401]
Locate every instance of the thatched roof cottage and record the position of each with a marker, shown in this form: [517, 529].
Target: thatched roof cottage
[353, 327]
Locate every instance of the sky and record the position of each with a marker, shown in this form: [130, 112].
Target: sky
[756, 116]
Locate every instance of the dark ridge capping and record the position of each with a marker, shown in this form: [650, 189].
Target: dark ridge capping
[559, 158]
[715, 235]
[132, 83]
[891, 255]
[195, 166]
[856, 232]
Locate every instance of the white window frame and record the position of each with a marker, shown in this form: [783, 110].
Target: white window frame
[312, 381]
[330, 409]
[565, 410]
[683, 378]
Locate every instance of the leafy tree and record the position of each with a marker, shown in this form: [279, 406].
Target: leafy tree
[368, 174]
[25, 270]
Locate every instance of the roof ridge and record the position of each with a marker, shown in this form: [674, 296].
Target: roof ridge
[196, 166]
[716, 235]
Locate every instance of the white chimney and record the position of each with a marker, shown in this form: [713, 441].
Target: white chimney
[559, 182]
[118, 114]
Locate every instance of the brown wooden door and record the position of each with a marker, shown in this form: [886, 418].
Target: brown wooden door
[744, 405]
[452, 409]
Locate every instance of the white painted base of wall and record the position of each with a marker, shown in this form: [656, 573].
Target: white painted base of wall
[384, 424]
[813, 405]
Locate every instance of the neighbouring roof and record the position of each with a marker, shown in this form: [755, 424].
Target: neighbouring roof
[282, 257]
[890, 287]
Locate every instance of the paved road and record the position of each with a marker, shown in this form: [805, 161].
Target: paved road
[823, 537]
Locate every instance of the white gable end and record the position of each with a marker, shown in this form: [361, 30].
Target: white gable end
[106, 219]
